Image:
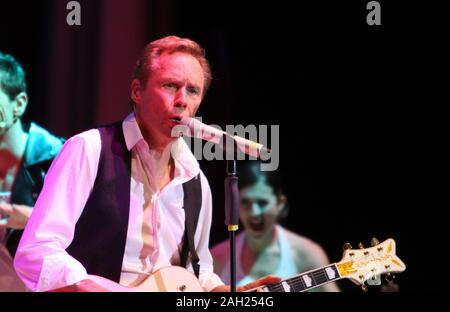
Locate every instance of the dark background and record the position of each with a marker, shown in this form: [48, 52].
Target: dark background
[362, 139]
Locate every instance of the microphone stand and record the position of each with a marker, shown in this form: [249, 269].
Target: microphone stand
[231, 205]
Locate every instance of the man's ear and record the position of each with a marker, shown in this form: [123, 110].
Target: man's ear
[136, 91]
[20, 104]
[282, 201]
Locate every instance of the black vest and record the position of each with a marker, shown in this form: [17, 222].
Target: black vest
[101, 231]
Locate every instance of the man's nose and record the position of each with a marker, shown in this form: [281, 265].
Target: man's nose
[256, 210]
[181, 99]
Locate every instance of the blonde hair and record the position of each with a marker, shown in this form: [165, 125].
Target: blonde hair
[170, 44]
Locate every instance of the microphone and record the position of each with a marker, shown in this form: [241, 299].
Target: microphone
[199, 130]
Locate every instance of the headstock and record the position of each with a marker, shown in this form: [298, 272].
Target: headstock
[367, 264]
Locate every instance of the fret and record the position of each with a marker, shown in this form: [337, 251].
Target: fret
[298, 283]
[319, 277]
[275, 287]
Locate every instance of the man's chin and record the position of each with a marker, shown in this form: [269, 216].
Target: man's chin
[256, 233]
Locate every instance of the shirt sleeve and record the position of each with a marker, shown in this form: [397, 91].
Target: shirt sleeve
[41, 260]
[208, 279]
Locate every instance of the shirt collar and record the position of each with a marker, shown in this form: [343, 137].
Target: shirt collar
[131, 131]
[185, 161]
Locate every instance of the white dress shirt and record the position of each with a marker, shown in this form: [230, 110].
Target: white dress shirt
[156, 219]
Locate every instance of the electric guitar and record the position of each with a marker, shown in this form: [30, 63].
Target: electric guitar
[359, 265]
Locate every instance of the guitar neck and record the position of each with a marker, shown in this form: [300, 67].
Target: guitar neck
[306, 281]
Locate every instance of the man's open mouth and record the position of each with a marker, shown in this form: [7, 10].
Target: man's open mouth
[256, 224]
[175, 119]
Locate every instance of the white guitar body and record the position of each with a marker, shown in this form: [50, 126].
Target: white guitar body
[169, 279]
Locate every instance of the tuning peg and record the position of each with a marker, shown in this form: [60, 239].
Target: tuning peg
[389, 277]
[374, 242]
[364, 287]
[347, 246]
[375, 280]
[361, 246]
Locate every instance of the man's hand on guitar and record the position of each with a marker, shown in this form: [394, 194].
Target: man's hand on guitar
[269, 279]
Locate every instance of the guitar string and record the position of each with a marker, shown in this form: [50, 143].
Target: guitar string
[316, 275]
[296, 281]
[319, 274]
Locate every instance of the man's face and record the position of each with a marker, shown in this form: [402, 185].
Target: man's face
[174, 90]
[6, 112]
[259, 209]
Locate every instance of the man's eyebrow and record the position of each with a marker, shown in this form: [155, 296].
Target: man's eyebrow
[194, 85]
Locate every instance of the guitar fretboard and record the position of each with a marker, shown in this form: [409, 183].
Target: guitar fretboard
[306, 281]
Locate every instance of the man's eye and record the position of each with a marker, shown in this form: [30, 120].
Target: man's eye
[193, 90]
[262, 203]
[170, 85]
[245, 202]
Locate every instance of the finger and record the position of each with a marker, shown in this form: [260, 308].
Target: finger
[269, 279]
[5, 208]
